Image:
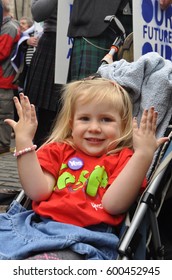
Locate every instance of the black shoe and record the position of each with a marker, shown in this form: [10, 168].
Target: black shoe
[4, 149]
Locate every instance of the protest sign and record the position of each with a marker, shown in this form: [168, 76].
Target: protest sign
[63, 43]
[152, 28]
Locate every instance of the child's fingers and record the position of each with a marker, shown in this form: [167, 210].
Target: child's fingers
[135, 124]
[33, 114]
[149, 120]
[143, 122]
[18, 107]
[152, 120]
[26, 107]
[21, 97]
[161, 141]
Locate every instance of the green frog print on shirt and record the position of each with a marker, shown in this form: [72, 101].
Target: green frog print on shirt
[98, 178]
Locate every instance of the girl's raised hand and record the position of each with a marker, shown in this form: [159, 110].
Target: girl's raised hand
[144, 136]
[26, 126]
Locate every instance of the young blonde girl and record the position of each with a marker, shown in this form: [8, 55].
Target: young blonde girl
[88, 91]
[84, 178]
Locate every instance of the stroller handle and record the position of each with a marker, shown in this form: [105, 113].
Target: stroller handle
[120, 37]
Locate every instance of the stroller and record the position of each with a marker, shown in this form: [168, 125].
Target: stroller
[143, 235]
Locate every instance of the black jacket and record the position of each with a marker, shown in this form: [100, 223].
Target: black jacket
[87, 16]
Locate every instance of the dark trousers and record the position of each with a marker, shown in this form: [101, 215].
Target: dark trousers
[45, 121]
[6, 112]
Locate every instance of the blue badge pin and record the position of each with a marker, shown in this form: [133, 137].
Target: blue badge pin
[75, 163]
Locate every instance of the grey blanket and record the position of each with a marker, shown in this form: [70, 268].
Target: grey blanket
[149, 83]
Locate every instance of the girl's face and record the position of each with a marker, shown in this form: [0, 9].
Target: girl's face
[94, 126]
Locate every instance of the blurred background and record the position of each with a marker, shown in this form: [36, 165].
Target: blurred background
[20, 8]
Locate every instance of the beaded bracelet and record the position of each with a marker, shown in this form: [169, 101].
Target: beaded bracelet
[24, 151]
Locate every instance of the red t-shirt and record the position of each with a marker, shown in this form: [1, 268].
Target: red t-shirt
[81, 183]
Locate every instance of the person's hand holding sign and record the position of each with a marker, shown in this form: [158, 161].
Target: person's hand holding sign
[164, 4]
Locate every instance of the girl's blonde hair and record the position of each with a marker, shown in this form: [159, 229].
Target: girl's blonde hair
[93, 90]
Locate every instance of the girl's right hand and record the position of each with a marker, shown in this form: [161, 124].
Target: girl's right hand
[26, 126]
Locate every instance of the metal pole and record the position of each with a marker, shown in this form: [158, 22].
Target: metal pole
[23, 6]
[15, 8]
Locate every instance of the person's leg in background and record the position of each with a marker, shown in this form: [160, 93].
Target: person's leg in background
[16, 93]
[16, 118]
[46, 117]
[45, 121]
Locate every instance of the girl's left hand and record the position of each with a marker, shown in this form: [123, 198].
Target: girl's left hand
[144, 136]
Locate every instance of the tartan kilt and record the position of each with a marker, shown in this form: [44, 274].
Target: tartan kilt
[87, 55]
[40, 87]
